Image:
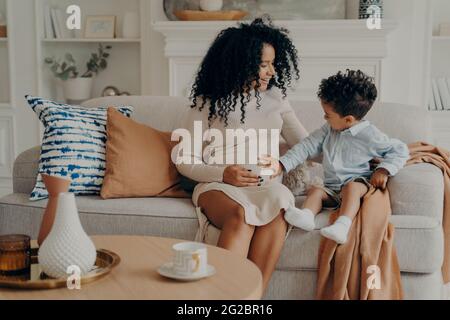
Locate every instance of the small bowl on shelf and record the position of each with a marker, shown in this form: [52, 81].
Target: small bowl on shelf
[197, 15]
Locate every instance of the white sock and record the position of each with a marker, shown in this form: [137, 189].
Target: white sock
[338, 231]
[300, 218]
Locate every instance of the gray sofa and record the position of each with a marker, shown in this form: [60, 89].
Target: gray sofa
[416, 196]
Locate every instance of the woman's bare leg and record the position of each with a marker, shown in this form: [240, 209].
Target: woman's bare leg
[229, 216]
[266, 246]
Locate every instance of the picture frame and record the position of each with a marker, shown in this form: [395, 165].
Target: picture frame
[100, 27]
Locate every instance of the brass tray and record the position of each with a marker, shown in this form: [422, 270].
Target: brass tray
[194, 15]
[36, 279]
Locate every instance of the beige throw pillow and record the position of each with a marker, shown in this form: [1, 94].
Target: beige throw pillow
[138, 162]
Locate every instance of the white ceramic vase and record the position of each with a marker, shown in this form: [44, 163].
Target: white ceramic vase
[67, 244]
[78, 88]
[211, 5]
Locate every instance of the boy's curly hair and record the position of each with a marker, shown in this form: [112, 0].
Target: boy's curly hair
[232, 64]
[350, 93]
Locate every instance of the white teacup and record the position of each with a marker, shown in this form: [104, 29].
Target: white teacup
[262, 169]
[190, 258]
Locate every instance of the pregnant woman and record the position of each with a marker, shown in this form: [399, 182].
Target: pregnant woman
[241, 84]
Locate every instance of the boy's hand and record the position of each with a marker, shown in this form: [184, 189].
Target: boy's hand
[379, 178]
[270, 163]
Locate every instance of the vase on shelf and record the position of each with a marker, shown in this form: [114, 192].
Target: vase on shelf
[78, 89]
[54, 186]
[67, 244]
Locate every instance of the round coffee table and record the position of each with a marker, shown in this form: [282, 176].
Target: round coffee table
[136, 276]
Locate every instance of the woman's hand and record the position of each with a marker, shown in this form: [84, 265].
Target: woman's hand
[240, 177]
[379, 178]
[271, 163]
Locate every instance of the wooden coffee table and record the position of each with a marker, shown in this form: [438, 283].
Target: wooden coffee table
[136, 276]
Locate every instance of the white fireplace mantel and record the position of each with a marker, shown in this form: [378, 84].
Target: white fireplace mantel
[324, 47]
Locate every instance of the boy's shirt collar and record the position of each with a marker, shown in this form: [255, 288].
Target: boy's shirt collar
[357, 128]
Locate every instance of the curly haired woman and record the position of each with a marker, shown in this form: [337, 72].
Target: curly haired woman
[241, 84]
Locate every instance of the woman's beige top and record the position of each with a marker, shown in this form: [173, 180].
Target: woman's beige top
[263, 203]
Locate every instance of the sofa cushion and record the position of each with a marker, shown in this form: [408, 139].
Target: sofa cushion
[73, 145]
[418, 190]
[138, 161]
[166, 217]
[418, 239]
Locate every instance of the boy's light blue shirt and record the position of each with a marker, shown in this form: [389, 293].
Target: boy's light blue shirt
[346, 154]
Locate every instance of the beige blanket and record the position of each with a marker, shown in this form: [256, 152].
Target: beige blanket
[366, 266]
[424, 152]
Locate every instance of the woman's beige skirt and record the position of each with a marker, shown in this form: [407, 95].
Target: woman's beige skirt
[261, 204]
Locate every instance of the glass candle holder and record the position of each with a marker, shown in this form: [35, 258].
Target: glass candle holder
[14, 254]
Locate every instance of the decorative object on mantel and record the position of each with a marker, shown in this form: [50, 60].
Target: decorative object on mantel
[211, 5]
[111, 91]
[202, 10]
[191, 15]
[67, 244]
[366, 11]
[78, 88]
[3, 28]
[444, 29]
[54, 186]
[303, 9]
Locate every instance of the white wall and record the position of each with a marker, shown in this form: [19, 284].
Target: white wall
[405, 67]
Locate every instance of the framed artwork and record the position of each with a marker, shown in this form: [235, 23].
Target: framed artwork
[100, 27]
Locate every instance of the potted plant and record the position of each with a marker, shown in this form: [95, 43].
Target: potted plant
[74, 87]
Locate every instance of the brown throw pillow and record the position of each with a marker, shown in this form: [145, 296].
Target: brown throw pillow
[138, 162]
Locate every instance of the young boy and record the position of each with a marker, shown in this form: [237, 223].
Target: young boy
[347, 143]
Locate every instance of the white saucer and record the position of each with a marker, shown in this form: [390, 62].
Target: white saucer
[166, 271]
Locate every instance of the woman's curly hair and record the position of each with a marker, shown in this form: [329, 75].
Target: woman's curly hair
[232, 64]
[350, 93]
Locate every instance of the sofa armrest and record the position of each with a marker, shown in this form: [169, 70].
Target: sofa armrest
[418, 189]
[25, 170]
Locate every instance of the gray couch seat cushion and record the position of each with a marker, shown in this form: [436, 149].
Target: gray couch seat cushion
[165, 217]
[420, 239]
[154, 207]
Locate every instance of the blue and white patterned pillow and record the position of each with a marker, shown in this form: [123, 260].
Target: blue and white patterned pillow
[73, 146]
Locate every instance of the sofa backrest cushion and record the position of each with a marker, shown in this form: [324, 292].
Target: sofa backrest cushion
[138, 161]
[404, 122]
[73, 145]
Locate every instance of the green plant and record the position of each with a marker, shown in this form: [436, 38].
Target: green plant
[67, 69]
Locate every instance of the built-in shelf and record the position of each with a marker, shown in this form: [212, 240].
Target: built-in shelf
[3, 39]
[5, 104]
[80, 40]
[441, 38]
